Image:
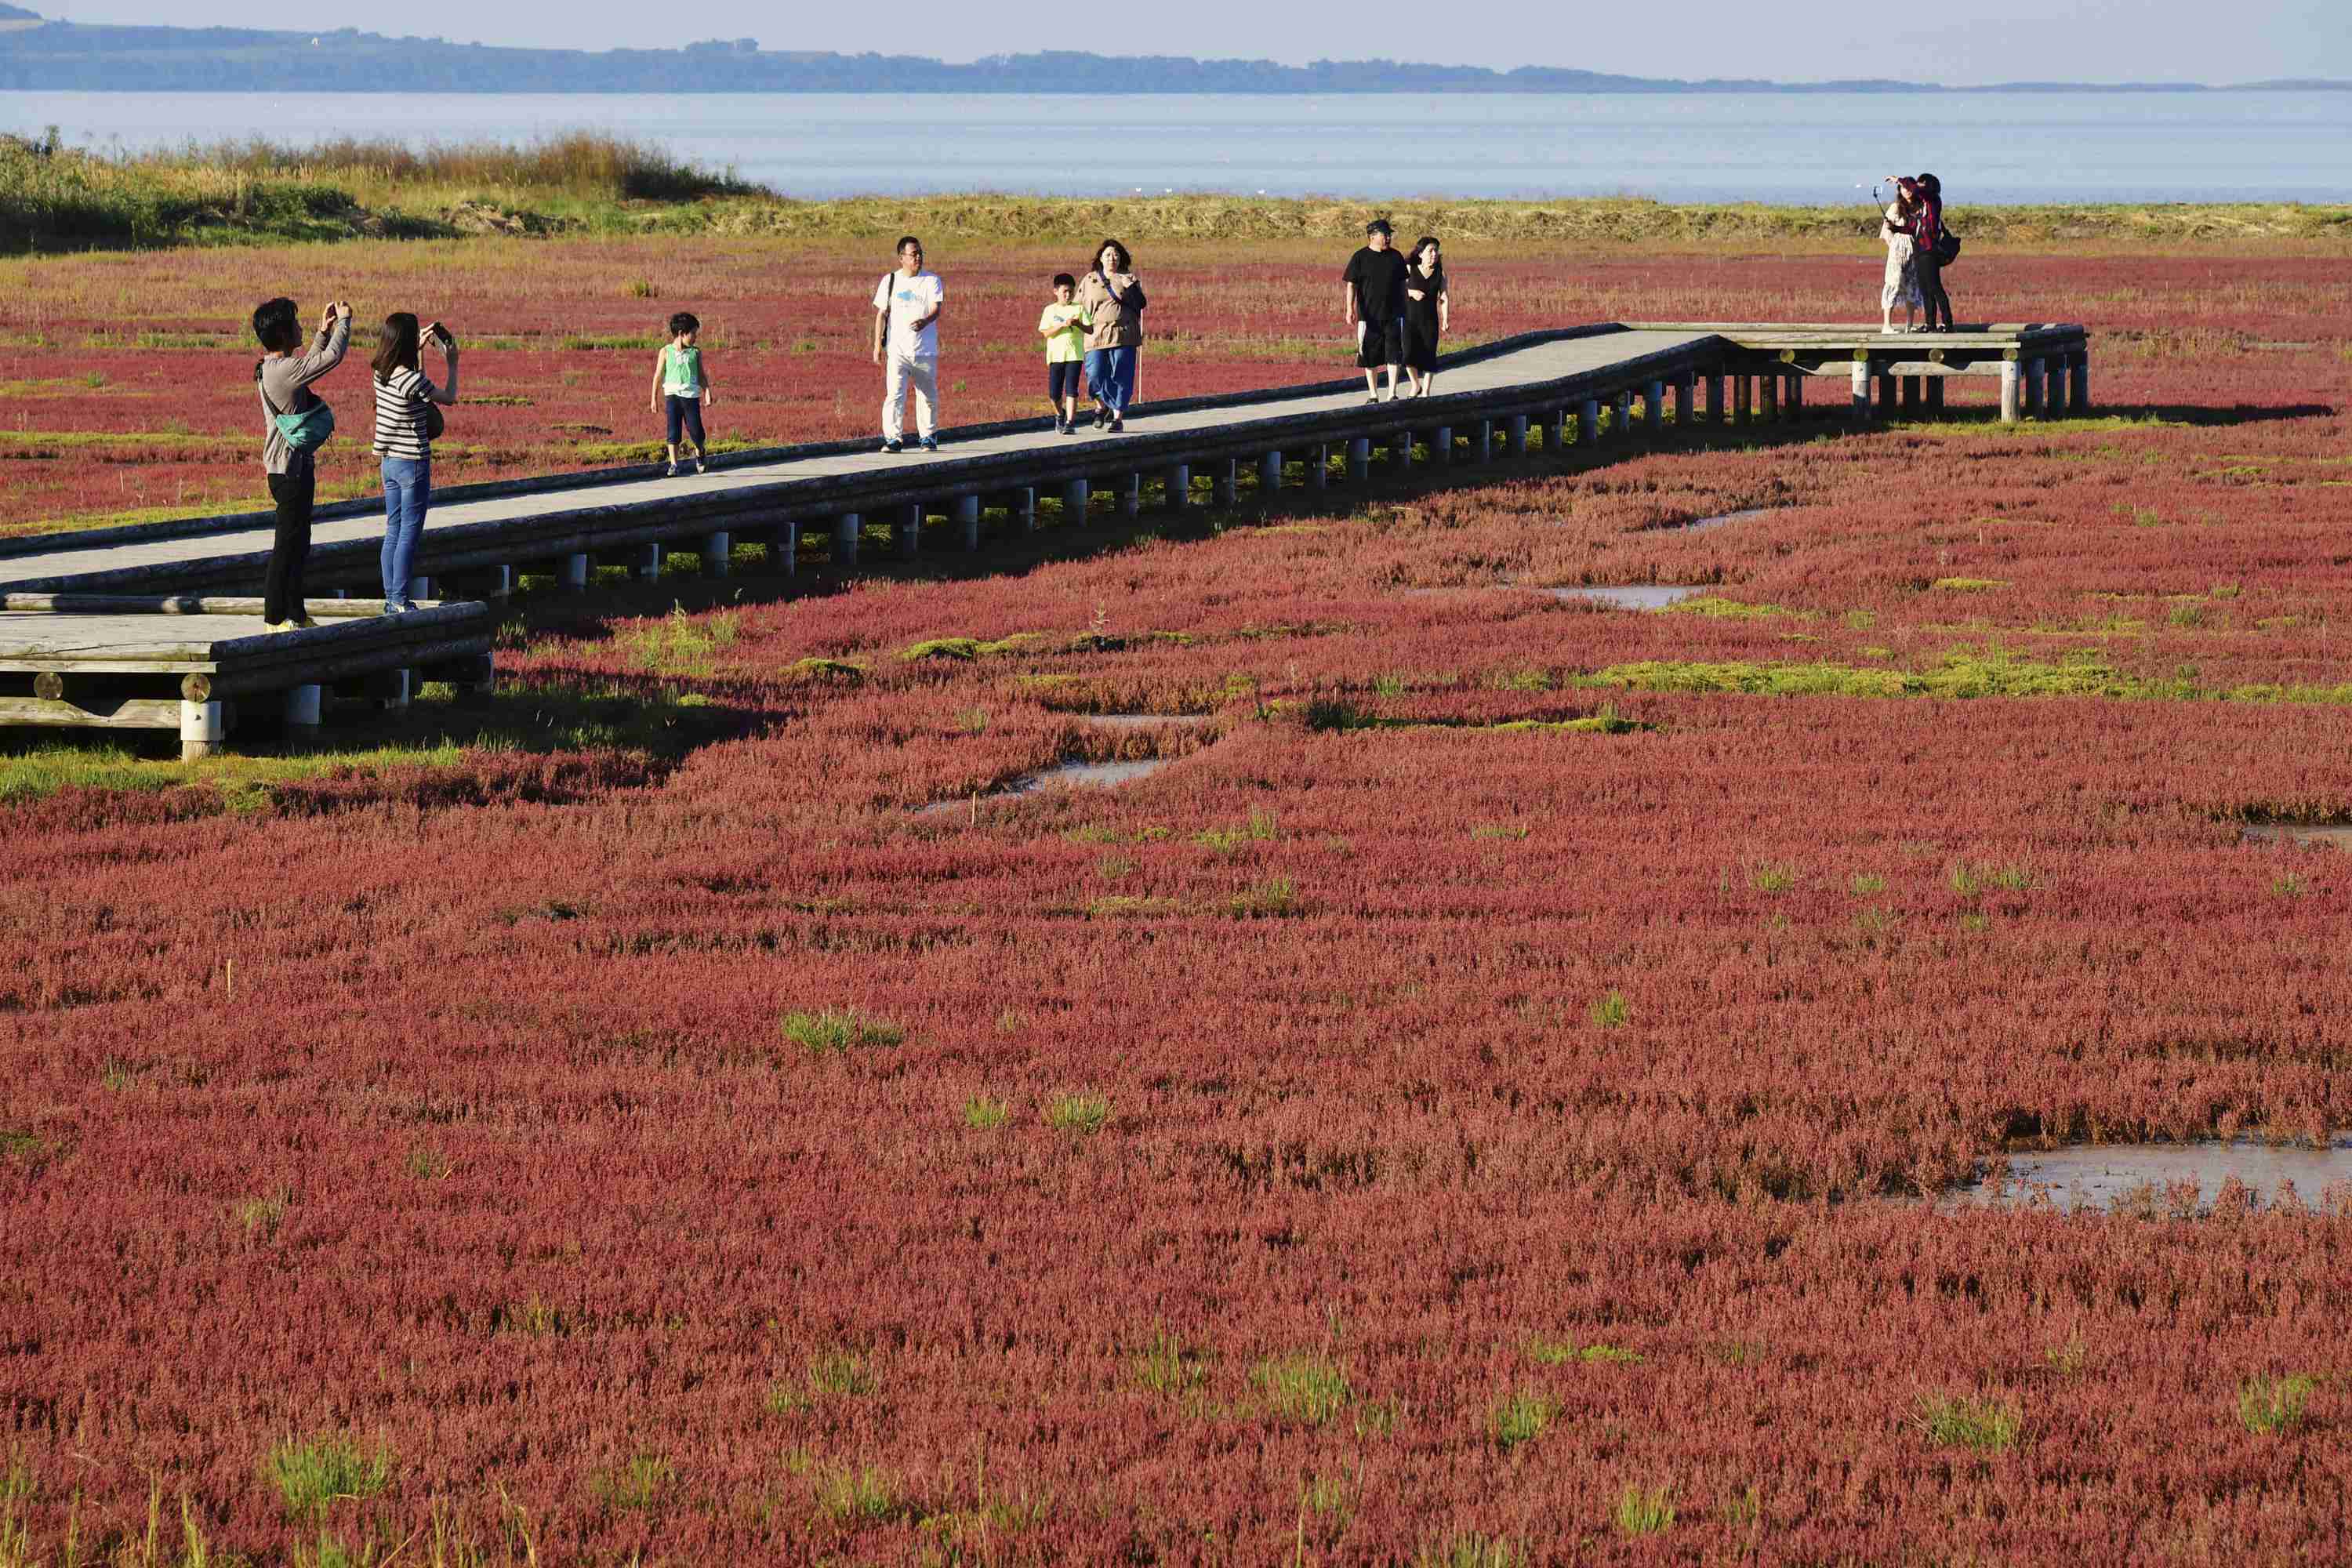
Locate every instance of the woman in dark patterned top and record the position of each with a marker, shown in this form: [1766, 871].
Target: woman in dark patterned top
[1426, 313]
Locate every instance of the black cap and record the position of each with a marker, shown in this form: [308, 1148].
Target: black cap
[1379, 225]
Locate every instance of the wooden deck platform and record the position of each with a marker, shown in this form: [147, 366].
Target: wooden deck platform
[1579, 383]
[184, 663]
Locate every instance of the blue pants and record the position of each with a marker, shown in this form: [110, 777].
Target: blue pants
[407, 487]
[1110, 376]
[685, 413]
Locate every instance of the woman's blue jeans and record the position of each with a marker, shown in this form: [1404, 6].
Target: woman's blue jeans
[1111, 377]
[407, 486]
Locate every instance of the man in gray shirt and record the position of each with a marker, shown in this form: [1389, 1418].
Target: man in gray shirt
[283, 378]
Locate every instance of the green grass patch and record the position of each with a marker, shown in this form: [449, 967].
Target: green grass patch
[832, 1030]
[634, 1487]
[1985, 1425]
[309, 1473]
[679, 644]
[1521, 1419]
[983, 1113]
[2269, 1406]
[1307, 1388]
[1081, 1115]
[963, 648]
[1715, 608]
[1611, 1012]
[1644, 1511]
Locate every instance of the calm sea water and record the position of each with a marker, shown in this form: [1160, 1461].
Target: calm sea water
[2010, 147]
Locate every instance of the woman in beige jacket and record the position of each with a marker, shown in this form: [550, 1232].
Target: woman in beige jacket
[1113, 301]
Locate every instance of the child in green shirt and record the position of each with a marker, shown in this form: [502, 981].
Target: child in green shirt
[1063, 328]
[683, 388]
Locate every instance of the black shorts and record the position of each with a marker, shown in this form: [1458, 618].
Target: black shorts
[1066, 379]
[1383, 343]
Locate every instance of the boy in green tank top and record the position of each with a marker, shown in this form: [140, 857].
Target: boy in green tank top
[682, 386]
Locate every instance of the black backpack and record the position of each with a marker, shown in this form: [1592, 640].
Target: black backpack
[1947, 248]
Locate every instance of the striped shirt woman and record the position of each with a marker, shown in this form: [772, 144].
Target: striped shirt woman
[404, 400]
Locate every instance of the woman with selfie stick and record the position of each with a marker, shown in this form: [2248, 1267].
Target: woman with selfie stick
[406, 421]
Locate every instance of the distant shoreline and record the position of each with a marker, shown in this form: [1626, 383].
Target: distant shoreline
[41, 54]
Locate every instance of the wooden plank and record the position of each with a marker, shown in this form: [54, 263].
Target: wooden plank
[137, 713]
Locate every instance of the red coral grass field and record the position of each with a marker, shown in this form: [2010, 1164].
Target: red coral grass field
[1487, 1098]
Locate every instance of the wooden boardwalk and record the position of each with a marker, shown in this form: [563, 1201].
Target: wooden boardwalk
[1581, 385]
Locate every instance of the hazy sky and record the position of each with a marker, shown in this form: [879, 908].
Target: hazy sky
[1942, 40]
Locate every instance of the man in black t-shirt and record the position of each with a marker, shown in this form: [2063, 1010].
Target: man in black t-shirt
[1375, 306]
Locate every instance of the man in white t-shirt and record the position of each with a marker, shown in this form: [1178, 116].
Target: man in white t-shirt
[907, 329]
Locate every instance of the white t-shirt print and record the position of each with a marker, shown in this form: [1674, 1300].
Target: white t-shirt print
[909, 300]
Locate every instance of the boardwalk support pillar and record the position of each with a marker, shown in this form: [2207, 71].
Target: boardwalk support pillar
[1130, 500]
[1654, 407]
[1518, 435]
[2078, 377]
[1588, 423]
[1359, 459]
[1269, 475]
[1179, 483]
[1074, 502]
[1768, 386]
[1683, 400]
[718, 554]
[1621, 417]
[576, 574]
[1441, 445]
[910, 531]
[2009, 391]
[204, 728]
[302, 707]
[1486, 440]
[1714, 398]
[1228, 485]
[649, 559]
[1024, 509]
[1861, 392]
[784, 548]
[967, 518]
[845, 529]
[1935, 394]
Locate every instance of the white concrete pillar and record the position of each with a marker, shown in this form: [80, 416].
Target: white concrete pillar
[204, 728]
[1861, 392]
[2009, 394]
[302, 707]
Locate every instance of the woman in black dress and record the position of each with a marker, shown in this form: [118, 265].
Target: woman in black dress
[1424, 313]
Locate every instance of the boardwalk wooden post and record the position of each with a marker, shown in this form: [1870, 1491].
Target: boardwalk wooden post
[1796, 396]
[1767, 387]
[2078, 375]
[574, 575]
[1130, 496]
[1269, 475]
[1860, 410]
[1588, 423]
[1715, 397]
[1654, 407]
[1482, 445]
[1683, 400]
[2030, 376]
[1318, 465]
[1620, 417]
[967, 517]
[1074, 502]
[1742, 395]
[910, 531]
[1024, 509]
[1359, 459]
[203, 729]
[1178, 482]
[1935, 394]
[1441, 446]
[2009, 394]
[420, 588]
[1518, 435]
[718, 554]
[845, 529]
[1228, 485]
[1910, 395]
[785, 547]
[649, 561]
